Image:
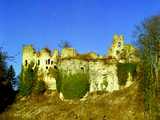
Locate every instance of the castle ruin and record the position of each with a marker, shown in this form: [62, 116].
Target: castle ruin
[101, 69]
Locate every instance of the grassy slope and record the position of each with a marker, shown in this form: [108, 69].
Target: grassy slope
[126, 104]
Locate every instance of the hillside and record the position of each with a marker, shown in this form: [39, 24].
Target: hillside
[126, 104]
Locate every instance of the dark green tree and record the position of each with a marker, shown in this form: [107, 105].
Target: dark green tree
[11, 77]
[3, 66]
[7, 94]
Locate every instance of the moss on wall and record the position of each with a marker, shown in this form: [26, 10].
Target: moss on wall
[73, 86]
[122, 72]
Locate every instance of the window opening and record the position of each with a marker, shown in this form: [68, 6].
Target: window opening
[55, 67]
[48, 61]
[38, 62]
[26, 63]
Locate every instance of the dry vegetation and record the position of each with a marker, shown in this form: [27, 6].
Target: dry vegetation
[126, 104]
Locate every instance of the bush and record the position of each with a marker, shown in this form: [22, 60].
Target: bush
[25, 88]
[122, 72]
[59, 79]
[53, 72]
[39, 87]
[73, 86]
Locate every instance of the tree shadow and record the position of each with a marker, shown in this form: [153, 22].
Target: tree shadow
[7, 96]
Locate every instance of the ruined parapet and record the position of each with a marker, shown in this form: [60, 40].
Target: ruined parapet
[47, 64]
[43, 59]
[68, 53]
[55, 54]
[93, 55]
[28, 55]
[87, 56]
[45, 52]
[101, 57]
[73, 66]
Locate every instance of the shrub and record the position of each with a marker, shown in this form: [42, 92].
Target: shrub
[39, 87]
[105, 83]
[73, 86]
[25, 88]
[53, 72]
[59, 79]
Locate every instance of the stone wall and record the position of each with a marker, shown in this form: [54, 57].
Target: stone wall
[103, 76]
[73, 66]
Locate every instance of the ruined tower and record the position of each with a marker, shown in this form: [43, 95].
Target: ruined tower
[117, 46]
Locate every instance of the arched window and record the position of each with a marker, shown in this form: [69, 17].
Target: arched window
[48, 61]
[51, 62]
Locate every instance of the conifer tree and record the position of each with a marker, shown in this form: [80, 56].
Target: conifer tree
[11, 77]
[7, 94]
[28, 78]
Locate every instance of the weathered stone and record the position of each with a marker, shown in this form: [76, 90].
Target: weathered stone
[68, 53]
[55, 54]
[103, 77]
[93, 55]
[28, 55]
[74, 66]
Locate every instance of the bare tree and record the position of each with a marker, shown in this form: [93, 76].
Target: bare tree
[148, 36]
[64, 44]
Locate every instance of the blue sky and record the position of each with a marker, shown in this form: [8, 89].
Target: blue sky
[87, 24]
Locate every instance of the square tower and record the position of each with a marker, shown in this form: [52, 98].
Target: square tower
[117, 46]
